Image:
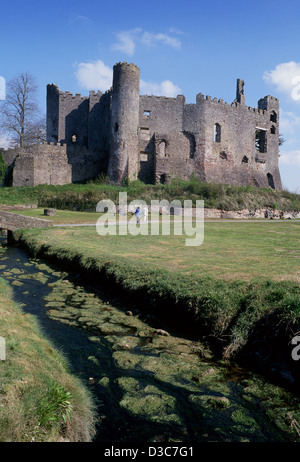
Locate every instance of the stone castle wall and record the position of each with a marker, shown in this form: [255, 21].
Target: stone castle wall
[125, 134]
[39, 164]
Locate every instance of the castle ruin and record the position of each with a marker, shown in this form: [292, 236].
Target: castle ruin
[123, 134]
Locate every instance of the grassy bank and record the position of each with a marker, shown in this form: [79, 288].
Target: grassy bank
[39, 399]
[84, 197]
[233, 314]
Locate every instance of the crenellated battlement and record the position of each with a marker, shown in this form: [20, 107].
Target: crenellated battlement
[128, 65]
[117, 131]
[52, 143]
[78, 96]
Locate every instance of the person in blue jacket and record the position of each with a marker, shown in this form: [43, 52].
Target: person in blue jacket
[138, 215]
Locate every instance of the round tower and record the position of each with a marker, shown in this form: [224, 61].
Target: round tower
[123, 162]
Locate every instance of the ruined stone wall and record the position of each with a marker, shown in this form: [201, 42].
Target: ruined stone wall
[40, 164]
[179, 140]
[67, 117]
[164, 151]
[83, 123]
[157, 138]
[231, 155]
[85, 163]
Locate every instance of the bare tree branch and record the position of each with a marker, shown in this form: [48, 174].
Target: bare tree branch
[20, 113]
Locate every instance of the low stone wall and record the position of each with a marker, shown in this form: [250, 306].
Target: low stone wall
[18, 207]
[12, 221]
[221, 214]
[242, 214]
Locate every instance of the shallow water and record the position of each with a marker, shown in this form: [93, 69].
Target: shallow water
[148, 384]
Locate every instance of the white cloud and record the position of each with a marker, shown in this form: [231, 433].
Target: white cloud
[150, 39]
[290, 158]
[286, 77]
[128, 40]
[289, 123]
[165, 88]
[174, 30]
[94, 75]
[5, 141]
[97, 76]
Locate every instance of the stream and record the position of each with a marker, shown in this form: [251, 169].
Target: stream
[148, 382]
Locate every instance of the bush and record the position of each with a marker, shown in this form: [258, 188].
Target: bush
[84, 197]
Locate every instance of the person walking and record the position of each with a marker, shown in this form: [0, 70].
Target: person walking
[138, 215]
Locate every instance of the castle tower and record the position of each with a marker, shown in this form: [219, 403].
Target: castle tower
[240, 95]
[123, 160]
[52, 113]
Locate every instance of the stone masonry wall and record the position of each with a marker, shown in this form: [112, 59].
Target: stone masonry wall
[40, 164]
[153, 138]
[12, 221]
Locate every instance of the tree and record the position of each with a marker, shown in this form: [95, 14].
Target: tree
[20, 114]
[36, 132]
[281, 140]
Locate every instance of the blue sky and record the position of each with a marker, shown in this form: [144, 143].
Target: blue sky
[181, 47]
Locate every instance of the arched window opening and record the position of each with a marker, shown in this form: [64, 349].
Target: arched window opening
[261, 140]
[245, 160]
[217, 133]
[223, 155]
[192, 142]
[273, 130]
[163, 178]
[271, 181]
[254, 182]
[273, 117]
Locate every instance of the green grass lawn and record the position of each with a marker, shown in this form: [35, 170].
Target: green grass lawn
[62, 216]
[231, 250]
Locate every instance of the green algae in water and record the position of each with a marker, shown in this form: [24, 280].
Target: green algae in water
[16, 283]
[167, 380]
[243, 419]
[16, 271]
[147, 400]
[104, 382]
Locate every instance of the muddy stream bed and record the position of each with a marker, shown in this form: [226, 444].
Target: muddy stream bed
[148, 383]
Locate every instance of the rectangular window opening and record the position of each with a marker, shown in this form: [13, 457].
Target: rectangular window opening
[143, 156]
[145, 134]
[261, 140]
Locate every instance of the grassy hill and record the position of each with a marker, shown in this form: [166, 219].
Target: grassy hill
[84, 197]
